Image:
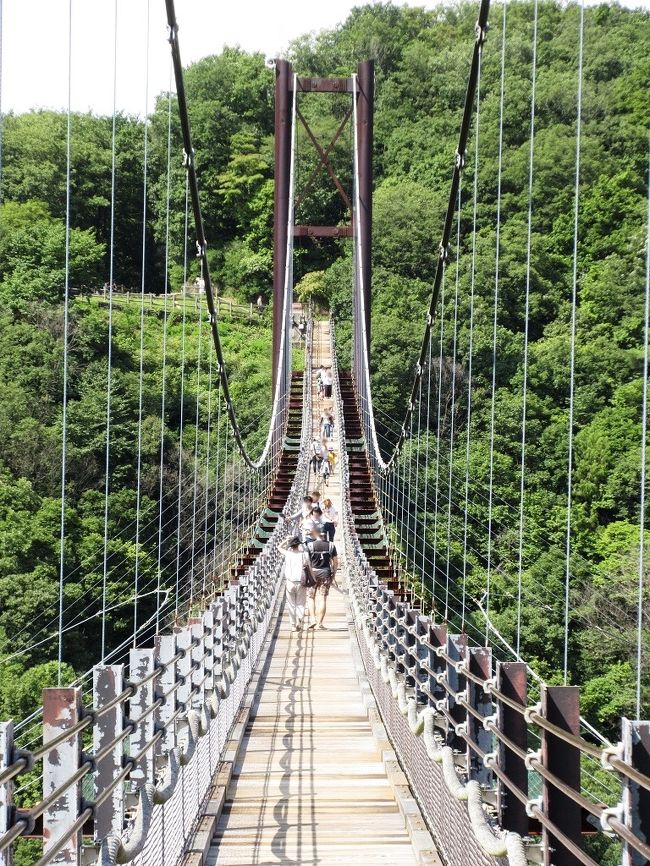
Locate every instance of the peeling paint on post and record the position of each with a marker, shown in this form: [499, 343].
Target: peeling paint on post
[198, 658]
[6, 790]
[108, 682]
[61, 710]
[183, 641]
[217, 609]
[141, 664]
[636, 799]
[208, 661]
[166, 650]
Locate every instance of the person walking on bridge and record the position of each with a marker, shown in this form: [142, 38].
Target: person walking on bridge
[328, 381]
[295, 559]
[324, 565]
[330, 518]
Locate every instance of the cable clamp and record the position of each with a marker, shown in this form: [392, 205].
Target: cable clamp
[616, 812]
[443, 253]
[461, 729]
[609, 752]
[187, 159]
[87, 758]
[25, 755]
[490, 722]
[172, 34]
[530, 758]
[481, 33]
[24, 818]
[533, 806]
[459, 160]
[490, 759]
[489, 685]
[529, 712]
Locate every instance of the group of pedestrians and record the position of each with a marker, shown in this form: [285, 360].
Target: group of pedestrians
[311, 561]
[323, 459]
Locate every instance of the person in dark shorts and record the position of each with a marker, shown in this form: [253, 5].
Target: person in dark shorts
[324, 564]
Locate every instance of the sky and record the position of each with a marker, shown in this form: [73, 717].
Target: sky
[35, 37]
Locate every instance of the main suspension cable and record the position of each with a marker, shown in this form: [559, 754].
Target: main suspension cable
[279, 398]
[363, 378]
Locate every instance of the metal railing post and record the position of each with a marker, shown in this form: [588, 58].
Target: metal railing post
[479, 663]
[636, 798]
[437, 639]
[560, 706]
[198, 661]
[141, 666]
[512, 682]
[6, 788]
[108, 683]
[61, 711]
[165, 651]
[456, 648]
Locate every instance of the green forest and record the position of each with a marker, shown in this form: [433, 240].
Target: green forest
[422, 62]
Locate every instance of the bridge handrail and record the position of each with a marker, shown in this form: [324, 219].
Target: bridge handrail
[399, 644]
[227, 652]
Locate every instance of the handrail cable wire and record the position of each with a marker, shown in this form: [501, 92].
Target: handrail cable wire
[454, 352]
[121, 562]
[182, 396]
[66, 315]
[470, 348]
[495, 322]
[163, 386]
[574, 303]
[109, 372]
[438, 434]
[524, 386]
[196, 451]
[206, 504]
[426, 450]
[644, 421]
[145, 184]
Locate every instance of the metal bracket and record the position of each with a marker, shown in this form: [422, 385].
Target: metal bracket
[532, 805]
[481, 33]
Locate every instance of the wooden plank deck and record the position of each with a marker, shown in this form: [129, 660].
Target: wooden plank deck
[309, 786]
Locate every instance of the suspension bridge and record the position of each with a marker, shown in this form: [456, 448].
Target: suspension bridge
[400, 733]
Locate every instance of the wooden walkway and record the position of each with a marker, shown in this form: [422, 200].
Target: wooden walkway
[309, 785]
